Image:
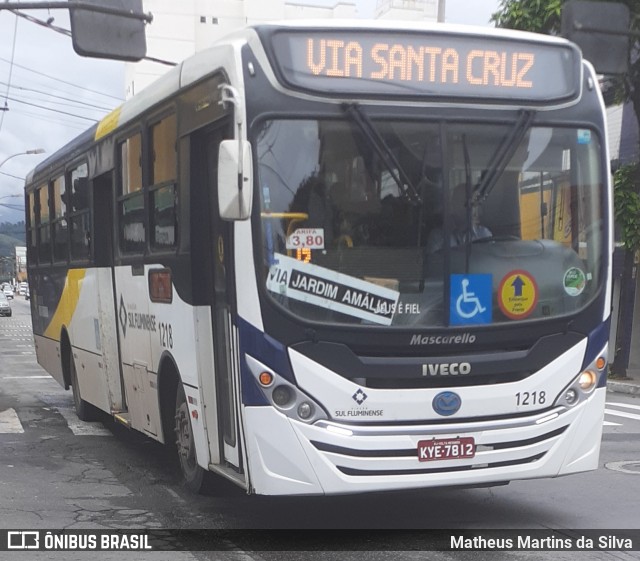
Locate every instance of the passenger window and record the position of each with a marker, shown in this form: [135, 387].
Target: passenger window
[163, 194]
[44, 233]
[132, 224]
[60, 229]
[79, 216]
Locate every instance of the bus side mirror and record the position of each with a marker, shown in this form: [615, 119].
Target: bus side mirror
[235, 180]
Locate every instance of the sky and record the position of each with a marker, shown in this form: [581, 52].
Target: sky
[51, 94]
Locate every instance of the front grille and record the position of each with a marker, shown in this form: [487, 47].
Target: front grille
[426, 471]
[444, 381]
[391, 451]
[411, 452]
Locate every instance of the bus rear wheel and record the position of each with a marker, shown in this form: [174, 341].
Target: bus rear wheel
[194, 475]
[84, 410]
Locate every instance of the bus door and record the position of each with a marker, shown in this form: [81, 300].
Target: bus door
[219, 253]
[106, 328]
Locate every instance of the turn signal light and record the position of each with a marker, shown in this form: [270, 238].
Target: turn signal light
[601, 363]
[266, 378]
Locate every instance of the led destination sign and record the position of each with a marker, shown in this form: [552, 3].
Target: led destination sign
[432, 65]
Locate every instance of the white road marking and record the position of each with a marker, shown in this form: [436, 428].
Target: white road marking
[82, 428]
[611, 424]
[622, 414]
[9, 422]
[25, 377]
[627, 405]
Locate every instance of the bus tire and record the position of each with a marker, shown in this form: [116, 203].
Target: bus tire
[84, 410]
[194, 475]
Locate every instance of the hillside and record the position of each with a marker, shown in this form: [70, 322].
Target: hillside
[8, 243]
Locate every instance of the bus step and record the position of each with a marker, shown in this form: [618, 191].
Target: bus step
[123, 418]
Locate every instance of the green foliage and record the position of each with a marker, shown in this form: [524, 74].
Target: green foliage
[541, 16]
[627, 204]
[9, 228]
[8, 245]
[11, 235]
[544, 16]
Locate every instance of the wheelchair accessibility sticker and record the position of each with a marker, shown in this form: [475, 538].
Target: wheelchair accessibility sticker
[517, 294]
[470, 299]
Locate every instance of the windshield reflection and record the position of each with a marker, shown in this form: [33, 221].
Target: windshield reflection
[362, 223]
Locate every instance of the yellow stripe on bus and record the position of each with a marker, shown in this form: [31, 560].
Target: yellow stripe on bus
[67, 304]
[108, 123]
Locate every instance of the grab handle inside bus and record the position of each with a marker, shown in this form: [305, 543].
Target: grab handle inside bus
[235, 180]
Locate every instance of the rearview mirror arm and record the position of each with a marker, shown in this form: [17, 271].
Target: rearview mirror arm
[230, 95]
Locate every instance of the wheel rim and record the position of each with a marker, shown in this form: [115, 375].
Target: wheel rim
[75, 390]
[184, 440]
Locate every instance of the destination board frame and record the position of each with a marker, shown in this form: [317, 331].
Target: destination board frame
[430, 65]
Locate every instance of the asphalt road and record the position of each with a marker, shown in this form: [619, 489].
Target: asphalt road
[58, 472]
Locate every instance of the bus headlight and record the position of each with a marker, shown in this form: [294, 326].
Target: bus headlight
[585, 383]
[282, 396]
[305, 410]
[571, 396]
[285, 396]
[587, 380]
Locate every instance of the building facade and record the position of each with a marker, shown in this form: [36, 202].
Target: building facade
[180, 29]
[21, 264]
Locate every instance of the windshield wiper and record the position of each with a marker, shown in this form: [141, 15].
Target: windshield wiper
[470, 200]
[376, 141]
[503, 154]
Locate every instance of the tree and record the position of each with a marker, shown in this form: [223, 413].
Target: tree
[543, 16]
[529, 15]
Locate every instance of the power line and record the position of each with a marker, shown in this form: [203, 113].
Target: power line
[47, 24]
[11, 175]
[50, 119]
[13, 52]
[35, 98]
[102, 108]
[66, 32]
[12, 207]
[54, 110]
[60, 80]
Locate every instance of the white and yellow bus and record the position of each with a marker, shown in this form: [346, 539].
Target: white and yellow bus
[339, 258]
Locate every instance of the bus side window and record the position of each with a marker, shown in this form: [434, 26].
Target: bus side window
[80, 214]
[162, 191]
[60, 225]
[131, 218]
[44, 232]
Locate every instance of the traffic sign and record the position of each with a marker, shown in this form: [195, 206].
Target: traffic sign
[517, 294]
[470, 301]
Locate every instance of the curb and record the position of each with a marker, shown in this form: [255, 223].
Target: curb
[617, 386]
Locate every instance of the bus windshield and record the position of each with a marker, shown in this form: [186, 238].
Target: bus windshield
[425, 224]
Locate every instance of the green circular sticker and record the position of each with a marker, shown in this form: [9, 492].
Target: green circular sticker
[574, 281]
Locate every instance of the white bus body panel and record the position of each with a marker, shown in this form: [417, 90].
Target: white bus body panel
[336, 393]
[48, 356]
[85, 311]
[148, 330]
[307, 459]
[92, 333]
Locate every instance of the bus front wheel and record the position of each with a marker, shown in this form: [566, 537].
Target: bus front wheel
[193, 474]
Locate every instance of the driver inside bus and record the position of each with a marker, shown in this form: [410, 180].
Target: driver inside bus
[458, 210]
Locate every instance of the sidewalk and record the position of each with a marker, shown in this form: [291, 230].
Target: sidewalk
[629, 385]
